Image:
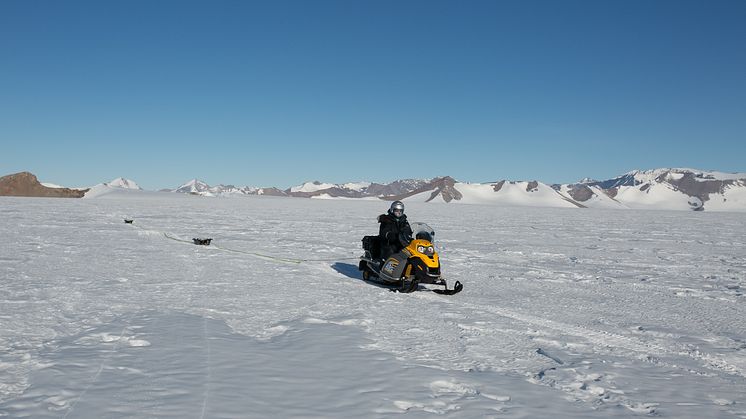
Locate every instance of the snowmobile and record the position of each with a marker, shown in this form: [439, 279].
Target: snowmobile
[418, 263]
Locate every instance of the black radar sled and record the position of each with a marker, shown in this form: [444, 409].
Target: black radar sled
[416, 264]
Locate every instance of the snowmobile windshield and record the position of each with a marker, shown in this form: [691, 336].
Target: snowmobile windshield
[423, 231]
[423, 235]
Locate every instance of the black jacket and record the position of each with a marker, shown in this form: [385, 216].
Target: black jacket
[395, 233]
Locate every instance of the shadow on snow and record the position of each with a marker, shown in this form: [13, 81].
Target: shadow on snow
[352, 271]
[347, 269]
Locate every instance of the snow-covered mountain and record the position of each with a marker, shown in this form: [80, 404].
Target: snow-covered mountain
[121, 182]
[195, 187]
[314, 189]
[198, 187]
[665, 188]
[310, 187]
[671, 189]
[318, 189]
[676, 189]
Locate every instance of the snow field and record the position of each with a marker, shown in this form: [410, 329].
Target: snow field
[565, 312]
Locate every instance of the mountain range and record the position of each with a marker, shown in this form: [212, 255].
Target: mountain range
[667, 188]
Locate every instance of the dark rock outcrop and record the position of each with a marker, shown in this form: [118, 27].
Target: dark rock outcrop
[443, 186]
[611, 193]
[580, 192]
[701, 189]
[624, 180]
[26, 184]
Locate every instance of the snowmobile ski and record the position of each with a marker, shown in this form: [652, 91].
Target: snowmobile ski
[457, 287]
[412, 286]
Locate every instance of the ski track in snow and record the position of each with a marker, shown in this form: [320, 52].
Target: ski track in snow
[564, 312]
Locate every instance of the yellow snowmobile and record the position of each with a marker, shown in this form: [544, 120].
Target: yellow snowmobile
[418, 263]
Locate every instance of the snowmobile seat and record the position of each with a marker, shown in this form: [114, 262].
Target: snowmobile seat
[373, 245]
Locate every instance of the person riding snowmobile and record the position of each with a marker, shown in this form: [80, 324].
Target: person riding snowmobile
[394, 232]
[394, 259]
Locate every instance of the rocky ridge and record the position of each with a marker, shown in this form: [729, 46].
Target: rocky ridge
[26, 184]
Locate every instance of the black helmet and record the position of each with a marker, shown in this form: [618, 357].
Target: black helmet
[397, 209]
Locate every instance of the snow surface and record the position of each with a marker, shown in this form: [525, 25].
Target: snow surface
[56, 186]
[342, 198]
[565, 313]
[51, 185]
[111, 192]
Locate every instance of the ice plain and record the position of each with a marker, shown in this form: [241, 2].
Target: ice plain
[565, 312]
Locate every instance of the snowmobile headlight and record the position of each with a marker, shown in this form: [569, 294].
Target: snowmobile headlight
[426, 250]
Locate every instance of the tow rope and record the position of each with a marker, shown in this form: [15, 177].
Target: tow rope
[206, 242]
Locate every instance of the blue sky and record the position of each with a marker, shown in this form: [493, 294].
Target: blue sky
[275, 93]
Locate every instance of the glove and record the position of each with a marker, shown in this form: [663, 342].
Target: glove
[405, 239]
